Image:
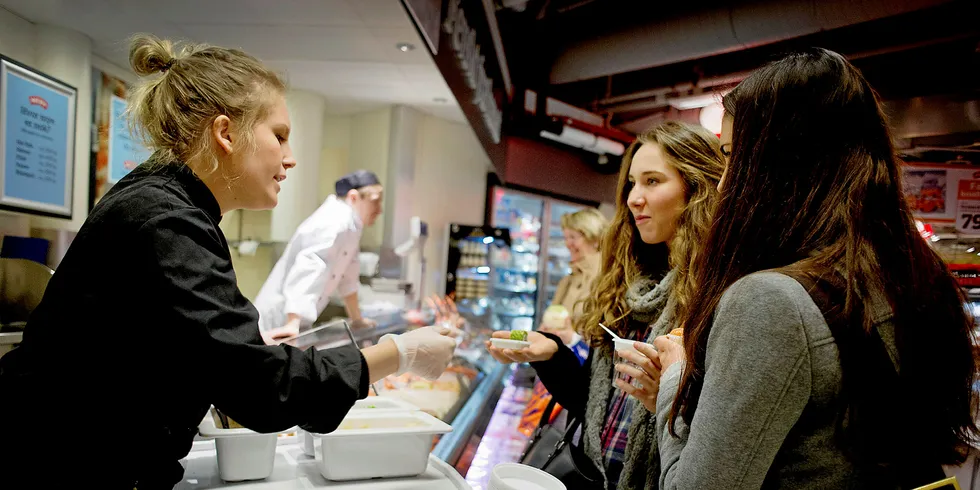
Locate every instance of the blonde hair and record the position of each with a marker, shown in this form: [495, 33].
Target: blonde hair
[696, 155]
[172, 109]
[589, 222]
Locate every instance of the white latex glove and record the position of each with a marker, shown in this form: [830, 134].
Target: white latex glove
[363, 323]
[424, 351]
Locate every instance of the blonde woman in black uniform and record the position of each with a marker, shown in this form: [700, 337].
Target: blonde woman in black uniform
[150, 271]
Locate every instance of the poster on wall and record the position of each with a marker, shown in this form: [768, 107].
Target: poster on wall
[944, 194]
[125, 153]
[37, 141]
[968, 207]
[925, 192]
[116, 151]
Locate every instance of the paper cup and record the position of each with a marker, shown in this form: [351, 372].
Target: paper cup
[620, 346]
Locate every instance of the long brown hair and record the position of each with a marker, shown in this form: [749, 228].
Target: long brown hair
[695, 153]
[813, 180]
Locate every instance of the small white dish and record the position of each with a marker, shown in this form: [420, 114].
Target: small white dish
[510, 344]
[514, 476]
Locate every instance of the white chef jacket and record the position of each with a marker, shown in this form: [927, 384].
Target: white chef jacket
[320, 259]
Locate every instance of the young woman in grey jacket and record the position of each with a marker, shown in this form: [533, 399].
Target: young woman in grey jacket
[772, 393]
[667, 191]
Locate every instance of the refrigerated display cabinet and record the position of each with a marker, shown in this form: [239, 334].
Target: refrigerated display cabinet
[528, 278]
[558, 263]
[471, 268]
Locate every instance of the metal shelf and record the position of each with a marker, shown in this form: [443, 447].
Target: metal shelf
[517, 271]
[513, 315]
[512, 289]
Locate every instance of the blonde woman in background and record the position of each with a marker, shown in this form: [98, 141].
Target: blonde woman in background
[666, 197]
[152, 269]
[583, 230]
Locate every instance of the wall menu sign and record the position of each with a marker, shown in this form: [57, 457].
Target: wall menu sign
[37, 141]
[125, 154]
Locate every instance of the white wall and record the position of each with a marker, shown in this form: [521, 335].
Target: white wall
[298, 197]
[335, 158]
[369, 150]
[251, 270]
[450, 187]
[16, 38]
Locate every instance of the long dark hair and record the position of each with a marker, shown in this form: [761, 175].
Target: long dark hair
[813, 180]
[696, 155]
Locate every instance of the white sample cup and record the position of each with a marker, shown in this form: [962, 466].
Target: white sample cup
[514, 476]
[625, 345]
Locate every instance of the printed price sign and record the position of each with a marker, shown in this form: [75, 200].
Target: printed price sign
[37, 141]
[968, 207]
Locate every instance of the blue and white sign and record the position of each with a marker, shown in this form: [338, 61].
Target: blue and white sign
[37, 141]
[125, 153]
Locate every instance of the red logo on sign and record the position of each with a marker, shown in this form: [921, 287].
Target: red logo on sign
[969, 189]
[38, 100]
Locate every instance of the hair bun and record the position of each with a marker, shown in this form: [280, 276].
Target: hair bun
[149, 54]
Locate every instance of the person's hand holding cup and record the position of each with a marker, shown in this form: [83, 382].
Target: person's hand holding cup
[637, 371]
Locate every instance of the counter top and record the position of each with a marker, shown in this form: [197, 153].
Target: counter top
[295, 470]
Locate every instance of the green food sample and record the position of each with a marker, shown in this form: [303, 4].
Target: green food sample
[518, 335]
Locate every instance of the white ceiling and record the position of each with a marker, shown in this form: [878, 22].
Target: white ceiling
[343, 49]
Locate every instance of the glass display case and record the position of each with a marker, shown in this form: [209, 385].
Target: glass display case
[515, 286]
[558, 263]
[461, 396]
[471, 262]
[528, 279]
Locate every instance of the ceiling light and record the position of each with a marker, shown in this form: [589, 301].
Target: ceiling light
[405, 47]
[696, 101]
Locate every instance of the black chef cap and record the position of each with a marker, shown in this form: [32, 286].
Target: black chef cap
[355, 180]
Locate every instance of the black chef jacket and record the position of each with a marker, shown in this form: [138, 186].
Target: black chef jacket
[141, 329]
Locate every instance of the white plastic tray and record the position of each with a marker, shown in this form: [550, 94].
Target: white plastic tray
[382, 404]
[293, 471]
[385, 449]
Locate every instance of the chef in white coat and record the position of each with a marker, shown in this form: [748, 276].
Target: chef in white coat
[320, 260]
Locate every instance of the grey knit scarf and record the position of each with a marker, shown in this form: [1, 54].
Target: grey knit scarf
[649, 303]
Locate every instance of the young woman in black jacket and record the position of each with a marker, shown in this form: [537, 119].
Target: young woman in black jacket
[143, 326]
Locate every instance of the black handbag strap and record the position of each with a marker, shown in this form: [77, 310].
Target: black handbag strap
[855, 344]
[546, 414]
[572, 424]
